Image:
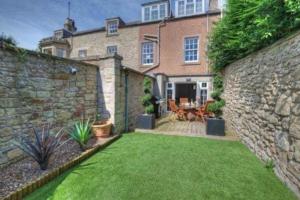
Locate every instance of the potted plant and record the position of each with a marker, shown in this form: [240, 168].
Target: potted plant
[216, 124]
[101, 128]
[147, 120]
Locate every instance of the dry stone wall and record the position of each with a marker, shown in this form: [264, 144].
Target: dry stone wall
[262, 93]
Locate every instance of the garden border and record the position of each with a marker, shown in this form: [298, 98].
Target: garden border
[43, 180]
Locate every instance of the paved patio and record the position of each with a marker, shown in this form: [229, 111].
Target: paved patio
[168, 126]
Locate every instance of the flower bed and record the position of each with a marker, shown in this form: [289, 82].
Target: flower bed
[24, 176]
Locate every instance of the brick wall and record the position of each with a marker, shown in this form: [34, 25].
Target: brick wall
[262, 93]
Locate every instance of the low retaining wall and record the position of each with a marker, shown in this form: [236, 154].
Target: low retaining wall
[262, 93]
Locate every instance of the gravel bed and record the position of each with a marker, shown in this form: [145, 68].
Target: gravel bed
[26, 170]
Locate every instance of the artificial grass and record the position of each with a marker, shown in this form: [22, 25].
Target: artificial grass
[154, 167]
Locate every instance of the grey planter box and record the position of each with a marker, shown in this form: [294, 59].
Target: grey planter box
[146, 121]
[215, 126]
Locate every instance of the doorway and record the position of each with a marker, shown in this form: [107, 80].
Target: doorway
[185, 90]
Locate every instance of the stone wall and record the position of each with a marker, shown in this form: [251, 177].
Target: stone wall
[41, 90]
[262, 93]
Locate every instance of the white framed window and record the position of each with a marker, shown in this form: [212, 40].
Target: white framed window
[147, 16]
[162, 11]
[147, 53]
[60, 52]
[82, 53]
[154, 12]
[181, 8]
[191, 49]
[189, 7]
[111, 50]
[170, 94]
[112, 27]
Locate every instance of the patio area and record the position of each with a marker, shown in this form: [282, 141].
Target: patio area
[167, 125]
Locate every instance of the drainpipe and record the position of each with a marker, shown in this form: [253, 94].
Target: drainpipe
[126, 102]
[98, 91]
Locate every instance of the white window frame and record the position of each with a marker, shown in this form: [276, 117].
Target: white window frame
[80, 51]
[177, 14]
[112, 27]
[110, 48]
[151, 10]
[172, 88]
[185, 50]
[201, 87]
[147, 53]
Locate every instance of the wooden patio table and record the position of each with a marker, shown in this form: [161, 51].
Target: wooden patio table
[190, 109]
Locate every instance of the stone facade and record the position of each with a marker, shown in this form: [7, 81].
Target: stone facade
[42, 90]
[262, 93]
[96, 44]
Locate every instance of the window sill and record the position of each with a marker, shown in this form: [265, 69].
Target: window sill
[191, 63]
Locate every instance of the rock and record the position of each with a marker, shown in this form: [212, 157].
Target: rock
[282, 141]
[295, 127]
[297, 151]
[15, 153]
[283, 105]
[296, 109]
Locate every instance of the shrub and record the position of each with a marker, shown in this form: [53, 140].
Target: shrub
[81, 133]
[216, 108]
[250, 25]
[219, 103]
[43, 146]
[146, 99]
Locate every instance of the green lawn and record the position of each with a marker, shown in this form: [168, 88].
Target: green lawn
[157, 167]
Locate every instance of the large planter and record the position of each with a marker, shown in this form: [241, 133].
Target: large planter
[102, 129]
[215, 126]
[146, 121]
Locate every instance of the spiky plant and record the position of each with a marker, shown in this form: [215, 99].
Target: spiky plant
[81, 133]
[43, 146]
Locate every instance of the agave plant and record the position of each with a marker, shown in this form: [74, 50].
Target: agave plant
[81, 133]
[43, 146]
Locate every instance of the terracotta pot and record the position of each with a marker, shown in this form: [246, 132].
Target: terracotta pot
[102, 129]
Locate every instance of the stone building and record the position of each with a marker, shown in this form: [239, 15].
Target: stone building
[168, 44]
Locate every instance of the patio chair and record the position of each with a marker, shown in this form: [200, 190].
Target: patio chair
[202, 112]
[178, 112]
[183, 101]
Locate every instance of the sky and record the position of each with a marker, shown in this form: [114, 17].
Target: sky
[28, 21]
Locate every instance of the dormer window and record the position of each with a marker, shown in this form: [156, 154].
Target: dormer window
[189, 7]
[112, 27]
[154, 11]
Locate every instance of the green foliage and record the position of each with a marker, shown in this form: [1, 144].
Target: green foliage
[8, 40]
[42, 147]
[219, 103]
[216, 107]
[81, 133]
[146, 99]
[249, 25]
